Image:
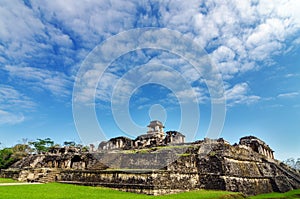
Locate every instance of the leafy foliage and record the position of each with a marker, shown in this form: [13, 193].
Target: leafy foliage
[8, 156]
[293, 163]
[69, 143]
[42, 145]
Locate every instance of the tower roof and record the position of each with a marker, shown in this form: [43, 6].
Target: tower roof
[155, 123]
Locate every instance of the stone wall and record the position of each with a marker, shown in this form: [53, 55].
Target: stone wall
[208, 164]
[235, 168]
[221, 167]
[139, 181]
[10, 173]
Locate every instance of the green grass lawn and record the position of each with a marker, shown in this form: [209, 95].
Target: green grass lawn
[7, 180]
[67, 191]
[288, 195]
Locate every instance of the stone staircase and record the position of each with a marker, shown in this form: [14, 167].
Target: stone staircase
[292, 175]
[42, 175]
[50, 176]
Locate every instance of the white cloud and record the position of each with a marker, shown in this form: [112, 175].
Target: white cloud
[13, 105]
[89, 20]
[157, 70]
[262, 52]
[195, 95]
[223, 54]
[10, 118]
[289, 95]
[59, 34]
[18, 29]
[55, 82]
[11, 99]
[292, 75]
[252, 31]
[238, 94]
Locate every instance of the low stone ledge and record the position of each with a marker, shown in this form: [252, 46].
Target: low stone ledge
[135, 188]
[10, 173]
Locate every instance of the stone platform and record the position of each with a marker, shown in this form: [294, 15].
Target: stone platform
[207, 164]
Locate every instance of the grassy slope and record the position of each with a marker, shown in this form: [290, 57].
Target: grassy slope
[6, 180]
[288, 195]
[65, 191]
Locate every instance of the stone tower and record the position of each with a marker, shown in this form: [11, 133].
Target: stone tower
[257, 145]
[156, 128]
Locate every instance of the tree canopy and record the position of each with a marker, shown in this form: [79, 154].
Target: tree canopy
[292, 162]
[42, 145]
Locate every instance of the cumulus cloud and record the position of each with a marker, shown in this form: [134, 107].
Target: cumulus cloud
[238, 94]
[195, 94]
[237, 34]
[57, 35]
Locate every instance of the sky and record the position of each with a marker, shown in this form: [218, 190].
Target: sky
[86, 71]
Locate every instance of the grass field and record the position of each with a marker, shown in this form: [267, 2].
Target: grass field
[288, 195]
[66, 191]
[7, 180]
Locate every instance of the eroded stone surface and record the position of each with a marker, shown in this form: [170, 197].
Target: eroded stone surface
[207, 164]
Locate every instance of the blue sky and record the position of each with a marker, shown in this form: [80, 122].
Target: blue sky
[253, 45]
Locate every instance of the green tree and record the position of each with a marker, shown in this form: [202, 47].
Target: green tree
[297, 164]
[69, 143]
[21, 150]
[292, 162]
[42, 145]
[6, 158]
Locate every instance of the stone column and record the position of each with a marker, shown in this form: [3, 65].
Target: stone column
[266, 152]
[260, 149]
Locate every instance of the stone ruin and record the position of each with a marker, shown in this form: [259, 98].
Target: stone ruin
[248, 167]
[257, 145]
[155, 137]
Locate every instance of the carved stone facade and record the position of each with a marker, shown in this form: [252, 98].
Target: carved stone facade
[116, 143]
[155, 137]
[174, 137]
[156, 128]
[257, 145]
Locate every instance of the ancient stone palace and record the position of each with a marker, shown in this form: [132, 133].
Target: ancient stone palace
[155, 136]
[161, 163]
